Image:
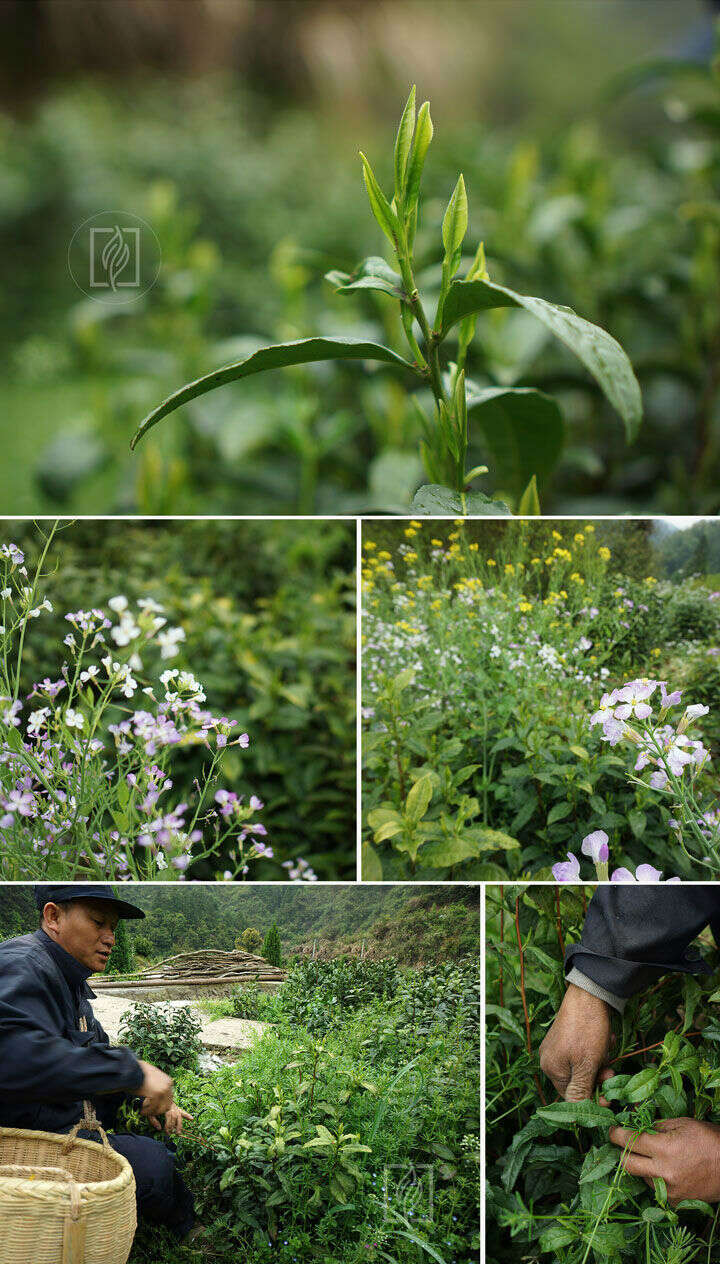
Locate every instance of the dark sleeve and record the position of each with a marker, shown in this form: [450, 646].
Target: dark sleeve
[36, 1063]
[633, 934]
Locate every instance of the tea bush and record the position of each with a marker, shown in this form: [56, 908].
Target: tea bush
[555, 1189]
[350, 1146]
[483, 672]
[168, 1038]
[251, 1001]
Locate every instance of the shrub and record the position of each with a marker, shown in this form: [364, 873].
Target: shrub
[168, 1039]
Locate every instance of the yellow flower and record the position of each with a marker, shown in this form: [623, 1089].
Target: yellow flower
[409, 532]
[386, 557]
[509, 568]
[556, 535]
[437, 543]
[579, 538]
[604, 553]
[524, 607]
[535, 561]
[370, 544]
[473, 547]
[491, 562]
[588, 527]
[416, 525]
[650, 580]
[656, 652]
[411, 557]
[458, 522]
[549, 561]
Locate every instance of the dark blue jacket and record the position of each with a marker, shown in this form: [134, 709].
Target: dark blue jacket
[633, 934]
[47, 1065]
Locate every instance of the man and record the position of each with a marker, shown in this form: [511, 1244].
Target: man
[632, 935]
[49, 1065]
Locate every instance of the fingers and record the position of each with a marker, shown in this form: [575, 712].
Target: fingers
[641, 1165]
[154, 1121]
[639, 1142]
[606, 1074]
[185, 1114]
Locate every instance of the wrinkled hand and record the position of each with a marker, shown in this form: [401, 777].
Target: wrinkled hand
[173, 1119]
[157, 1091]
[684, 1153]
[576, 1048]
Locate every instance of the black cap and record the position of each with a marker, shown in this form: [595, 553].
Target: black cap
[81, 891]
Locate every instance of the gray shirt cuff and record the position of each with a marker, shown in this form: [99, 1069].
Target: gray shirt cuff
[582, 981]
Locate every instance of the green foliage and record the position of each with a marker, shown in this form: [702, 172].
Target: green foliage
[319, 994]
[251, 1001]
[555, 1182]
[272, 948]
[487, 649]
[122, 957]
[250, 940]
[169, 1040]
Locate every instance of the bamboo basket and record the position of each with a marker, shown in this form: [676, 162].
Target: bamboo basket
[64, 1200]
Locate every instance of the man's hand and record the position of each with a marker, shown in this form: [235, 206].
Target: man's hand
[577, 1045]
[156, 1089]
[173, 1119]
[684, 1153]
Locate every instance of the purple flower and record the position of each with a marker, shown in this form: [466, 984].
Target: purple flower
[596, 845]
[567, 870]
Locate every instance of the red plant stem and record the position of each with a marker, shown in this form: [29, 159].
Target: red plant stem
[502, 944]
[635, 1053]
[559, 922]
[584, 900]
[538, 1086]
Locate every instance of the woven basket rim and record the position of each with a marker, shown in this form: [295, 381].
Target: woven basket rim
[114, 1185]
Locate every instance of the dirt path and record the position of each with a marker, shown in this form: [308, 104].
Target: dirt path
[220, 1035]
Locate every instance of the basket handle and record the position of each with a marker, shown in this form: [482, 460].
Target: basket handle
[89, 1123]
[57, 1173]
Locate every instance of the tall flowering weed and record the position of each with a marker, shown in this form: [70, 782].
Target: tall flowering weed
[86, 758]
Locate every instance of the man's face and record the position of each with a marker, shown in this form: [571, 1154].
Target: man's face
[85, 929]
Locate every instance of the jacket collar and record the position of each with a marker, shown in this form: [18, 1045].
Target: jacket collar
[74, 973]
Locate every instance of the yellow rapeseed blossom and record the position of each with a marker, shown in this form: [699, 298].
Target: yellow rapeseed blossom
[524, 607]
[411, 557]
[370, 544]
[565, 554]
[604, 553]
[409, 532]
[556, 535]
[509, 568]
[458, 522]
[437, 544]
[385, 556]
[579, 538]
[535, 561]
[588, 527]
[416, 525]
[473, 547]
[491, 561]
[549, 561]
[576, 578]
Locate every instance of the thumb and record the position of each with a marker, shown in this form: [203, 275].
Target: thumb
[582, 1083]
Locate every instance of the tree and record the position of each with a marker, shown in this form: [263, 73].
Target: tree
[272, 949]
[250, 940]
[122, 958]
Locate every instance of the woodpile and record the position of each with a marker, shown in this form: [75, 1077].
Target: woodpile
[211, 963]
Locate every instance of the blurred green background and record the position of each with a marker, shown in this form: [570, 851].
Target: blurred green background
[268, 610]
[232, 127]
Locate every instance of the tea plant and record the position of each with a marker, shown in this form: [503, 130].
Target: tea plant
[527, 420]
[482, 668]
[84, 772]
[168, 1038]
[556, 1185]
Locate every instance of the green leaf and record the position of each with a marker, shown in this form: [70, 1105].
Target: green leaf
[389, 830]
[381, 208]
[557, 1236]
[602, 356]
[491, 839]
[444, 502]
[642, 1086]
[599, 1161]
[586, 1114]
[372, 274]
[418, 800]
[529, 503]
[370, 864]
[441, 853]
[304, 351]
[455, 222]
[416, 162]
[559, 812]
[403, 144]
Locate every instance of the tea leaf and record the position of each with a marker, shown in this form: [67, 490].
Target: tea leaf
[529, 503]
[599, 1161]
[586, 1113]
[403, 144]
[372, 274]
[455, 221]
[602, 356]
[370, 864]
[381, 208]
[418, 800]
[421, 144]
[444, 852]
[303, 351]
[442, 501]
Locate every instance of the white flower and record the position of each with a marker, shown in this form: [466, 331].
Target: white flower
[169, 641]
[74, 719]
[118, 604]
